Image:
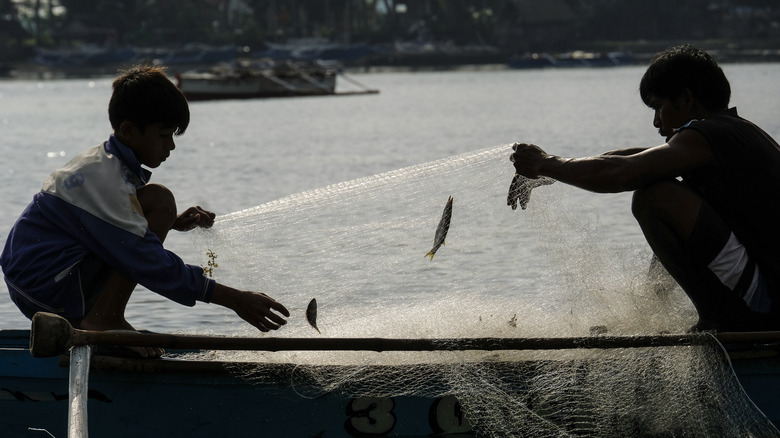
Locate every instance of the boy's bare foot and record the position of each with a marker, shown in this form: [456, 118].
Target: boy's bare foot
[120, 325]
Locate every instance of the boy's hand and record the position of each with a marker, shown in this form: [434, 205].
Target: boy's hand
[194, 217]
[253, 307]
[257, 309]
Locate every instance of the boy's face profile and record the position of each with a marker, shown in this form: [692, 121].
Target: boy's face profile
[152, 145]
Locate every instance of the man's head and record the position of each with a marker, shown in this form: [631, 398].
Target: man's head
[673, 71]
[144, 96]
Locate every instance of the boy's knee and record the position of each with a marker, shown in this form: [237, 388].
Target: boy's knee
[158, 199]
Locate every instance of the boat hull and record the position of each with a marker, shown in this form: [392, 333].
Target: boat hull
[173, 398]
[209, 87]
[177, 397]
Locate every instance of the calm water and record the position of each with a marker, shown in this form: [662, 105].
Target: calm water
[239, 154]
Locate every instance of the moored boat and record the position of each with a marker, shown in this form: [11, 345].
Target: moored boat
[277, 79]
[572, 59]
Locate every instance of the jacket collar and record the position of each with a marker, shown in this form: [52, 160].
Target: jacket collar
[125, 154]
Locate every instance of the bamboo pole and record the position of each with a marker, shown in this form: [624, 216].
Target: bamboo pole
[52, 335]
[78, 384]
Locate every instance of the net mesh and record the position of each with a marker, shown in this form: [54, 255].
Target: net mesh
[359, 248]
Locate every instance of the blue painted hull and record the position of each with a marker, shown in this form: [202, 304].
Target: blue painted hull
[174, 398]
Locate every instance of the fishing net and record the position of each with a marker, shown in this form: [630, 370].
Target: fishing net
[547, 271]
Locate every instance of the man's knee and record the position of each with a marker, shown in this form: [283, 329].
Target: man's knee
[653, 198]
[670, 202]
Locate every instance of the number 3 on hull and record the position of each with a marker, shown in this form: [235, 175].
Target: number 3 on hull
[370, 416]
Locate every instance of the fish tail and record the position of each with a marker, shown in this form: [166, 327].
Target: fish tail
[430, 253]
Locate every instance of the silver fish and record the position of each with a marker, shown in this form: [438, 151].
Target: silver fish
[441, 230]
[520, 189]
[311, 314]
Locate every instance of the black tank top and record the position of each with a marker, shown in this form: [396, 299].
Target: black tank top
[743, 185]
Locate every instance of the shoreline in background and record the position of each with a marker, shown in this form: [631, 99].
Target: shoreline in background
[641, 54]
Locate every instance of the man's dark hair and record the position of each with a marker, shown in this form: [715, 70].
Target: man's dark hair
[144, 96]
[673, 70]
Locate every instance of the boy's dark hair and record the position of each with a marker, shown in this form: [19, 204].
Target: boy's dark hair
[673, 70]
[144, 95]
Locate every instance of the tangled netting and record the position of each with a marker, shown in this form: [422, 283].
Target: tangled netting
[359, 248]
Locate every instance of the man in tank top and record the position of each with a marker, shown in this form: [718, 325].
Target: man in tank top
[97, 227]
[706, 199]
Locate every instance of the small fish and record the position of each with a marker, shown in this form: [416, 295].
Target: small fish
[441, 230]
[311, 314]
[520, 189]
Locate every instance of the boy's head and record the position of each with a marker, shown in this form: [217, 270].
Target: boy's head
[673, 70]
[143, 95]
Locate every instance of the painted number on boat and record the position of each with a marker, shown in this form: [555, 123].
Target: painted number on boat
[375, 416]
[446, 416]
[370, 416]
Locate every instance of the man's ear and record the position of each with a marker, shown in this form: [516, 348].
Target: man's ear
[687, 99]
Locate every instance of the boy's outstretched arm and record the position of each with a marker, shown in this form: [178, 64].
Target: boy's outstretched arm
[253, 307]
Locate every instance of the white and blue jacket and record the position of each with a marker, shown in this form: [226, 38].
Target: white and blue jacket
[90, 207]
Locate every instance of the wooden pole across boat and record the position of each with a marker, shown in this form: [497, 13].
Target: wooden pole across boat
[52, 335]
[78, 394]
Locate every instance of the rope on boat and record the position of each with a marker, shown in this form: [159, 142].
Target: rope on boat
[279, 81]
[309, 78]
[355, 82]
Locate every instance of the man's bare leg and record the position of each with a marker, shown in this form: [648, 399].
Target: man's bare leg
[685, 234]
[108, 311]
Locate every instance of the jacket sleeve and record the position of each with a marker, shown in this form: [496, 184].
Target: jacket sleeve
[145, 260]
[141, 258]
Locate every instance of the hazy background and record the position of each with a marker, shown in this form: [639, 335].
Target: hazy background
[86, 37]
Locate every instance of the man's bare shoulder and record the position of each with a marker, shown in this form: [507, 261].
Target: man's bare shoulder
[685, 151]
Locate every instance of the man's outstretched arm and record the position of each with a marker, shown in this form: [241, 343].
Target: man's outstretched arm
[617, 171]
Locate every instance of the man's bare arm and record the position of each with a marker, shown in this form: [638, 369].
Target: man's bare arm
[618, 171]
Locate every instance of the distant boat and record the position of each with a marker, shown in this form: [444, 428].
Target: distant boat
[83, 56]
[199, 54]
[278, 79]
[315, 49]
[572, 59]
